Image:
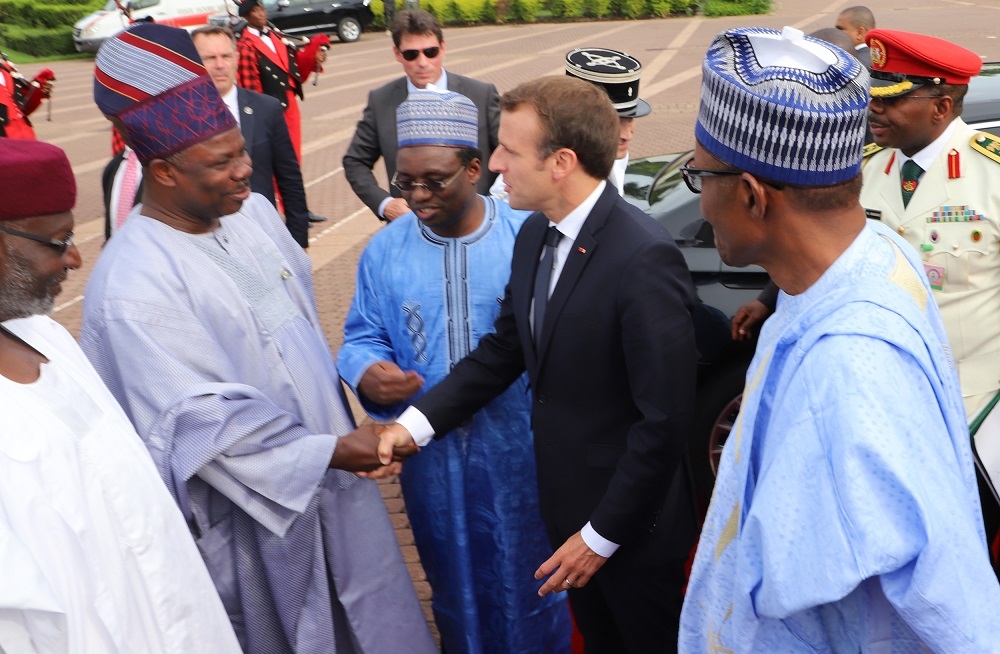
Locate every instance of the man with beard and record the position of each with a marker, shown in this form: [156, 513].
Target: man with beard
[472, 499]
[844, 516]
[200, 317]
[94, 554]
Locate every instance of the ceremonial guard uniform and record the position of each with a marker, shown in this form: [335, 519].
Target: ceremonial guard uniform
[271, 70]
[952, 217]
[18, 98]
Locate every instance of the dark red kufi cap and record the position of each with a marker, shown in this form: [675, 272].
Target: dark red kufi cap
[37, 179]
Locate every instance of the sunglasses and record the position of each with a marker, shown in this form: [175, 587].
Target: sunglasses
[431, 186]
[430, 53]
[58, 246]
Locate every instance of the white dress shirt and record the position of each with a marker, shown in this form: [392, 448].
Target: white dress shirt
[266, 39]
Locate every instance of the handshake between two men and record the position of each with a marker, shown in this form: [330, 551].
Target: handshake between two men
[377, 451]
[361, 451]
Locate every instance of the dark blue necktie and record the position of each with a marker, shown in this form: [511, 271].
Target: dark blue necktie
[542, 278]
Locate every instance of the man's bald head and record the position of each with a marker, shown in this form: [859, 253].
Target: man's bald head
[855, 22]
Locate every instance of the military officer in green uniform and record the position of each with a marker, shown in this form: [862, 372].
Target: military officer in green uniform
[936, 181]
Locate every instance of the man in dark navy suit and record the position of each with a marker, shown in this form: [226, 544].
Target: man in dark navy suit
[263, 127]
[598, 312]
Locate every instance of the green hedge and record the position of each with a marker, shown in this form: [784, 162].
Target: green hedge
[467, 12]
[735, 7]
[38, 41]
[44, 27]
[29, 13]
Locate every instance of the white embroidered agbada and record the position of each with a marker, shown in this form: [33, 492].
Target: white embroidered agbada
[95, 558]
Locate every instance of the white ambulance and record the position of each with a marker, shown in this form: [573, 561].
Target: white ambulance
[90, 31]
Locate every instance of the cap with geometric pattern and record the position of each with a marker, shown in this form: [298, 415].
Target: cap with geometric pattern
[150, 80]
[429, 117]
[784, 106]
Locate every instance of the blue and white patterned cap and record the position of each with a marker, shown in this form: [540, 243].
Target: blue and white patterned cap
[784, 106]
[437, 118]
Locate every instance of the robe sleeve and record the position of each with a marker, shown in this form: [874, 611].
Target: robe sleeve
[856, 481]
[194, 422]
[366, 337]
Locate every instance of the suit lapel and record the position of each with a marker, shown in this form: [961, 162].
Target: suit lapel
[891, 193]
[932, 192]
[266, 51]
[522, 283]
[580, 254]
[247, 119]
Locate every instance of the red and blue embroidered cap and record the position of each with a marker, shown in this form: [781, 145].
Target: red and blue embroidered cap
[23, 165]
[904, 61]
[150, 81]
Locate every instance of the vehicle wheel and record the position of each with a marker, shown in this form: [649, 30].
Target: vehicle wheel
[349, 29]
[716, 409]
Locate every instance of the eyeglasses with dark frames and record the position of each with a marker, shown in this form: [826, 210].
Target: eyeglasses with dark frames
[431, 186]
[59, 246]
[430, 53]
[692, 176]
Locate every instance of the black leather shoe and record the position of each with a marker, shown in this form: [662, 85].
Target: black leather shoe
[316, 218]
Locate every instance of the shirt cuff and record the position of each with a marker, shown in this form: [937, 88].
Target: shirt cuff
[601, 545]
[417, 424]
[381, 207]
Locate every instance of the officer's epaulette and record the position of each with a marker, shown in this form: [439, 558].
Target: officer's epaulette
[870, 149]
[986, 144]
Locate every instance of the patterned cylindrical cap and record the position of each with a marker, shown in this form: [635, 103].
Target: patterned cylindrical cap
[431, 118]
[150, 79]
[37, 179]
[615, 72]
[784, 106]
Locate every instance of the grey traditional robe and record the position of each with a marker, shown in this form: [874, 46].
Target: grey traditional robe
[212, 345]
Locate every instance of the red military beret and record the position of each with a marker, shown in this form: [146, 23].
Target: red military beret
[37, 179]
[903, 61]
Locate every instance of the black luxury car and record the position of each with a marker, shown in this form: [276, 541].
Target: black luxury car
[654, 184]
[347, 19]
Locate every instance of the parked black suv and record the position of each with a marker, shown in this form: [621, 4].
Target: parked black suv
[347, 19]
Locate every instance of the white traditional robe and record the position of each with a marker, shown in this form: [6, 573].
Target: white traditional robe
[94, 555]
[212, 344]
[845, 517]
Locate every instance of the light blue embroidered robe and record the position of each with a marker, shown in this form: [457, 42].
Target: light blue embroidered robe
[845, 517]
[212, 345]
[424, 302]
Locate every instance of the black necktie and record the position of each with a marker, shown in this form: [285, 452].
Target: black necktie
[542, 278]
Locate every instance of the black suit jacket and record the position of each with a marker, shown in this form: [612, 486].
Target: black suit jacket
[376, 135]
[270, 147]
[613, 381]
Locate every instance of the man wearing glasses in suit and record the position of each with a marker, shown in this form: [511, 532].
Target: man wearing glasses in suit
[418, 45]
